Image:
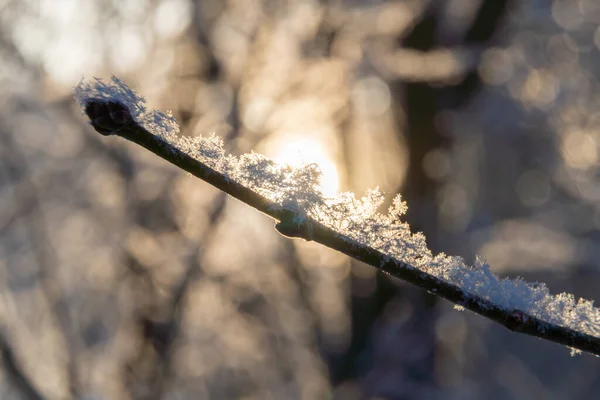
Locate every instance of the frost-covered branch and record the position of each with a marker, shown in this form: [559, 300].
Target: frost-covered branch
[349, 225]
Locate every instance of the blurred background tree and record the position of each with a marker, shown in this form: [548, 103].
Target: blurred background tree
[122, 277]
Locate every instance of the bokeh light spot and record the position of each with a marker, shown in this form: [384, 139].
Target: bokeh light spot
[579, 150]
[302, 151]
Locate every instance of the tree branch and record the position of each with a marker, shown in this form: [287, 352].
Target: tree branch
[113, 118]
[14, 372]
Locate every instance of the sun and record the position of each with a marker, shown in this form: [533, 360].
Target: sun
[305, 150]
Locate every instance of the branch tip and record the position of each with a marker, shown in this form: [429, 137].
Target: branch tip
[108, 117]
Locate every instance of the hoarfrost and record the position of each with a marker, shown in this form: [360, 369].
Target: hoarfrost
[157, 122]
[297, 189]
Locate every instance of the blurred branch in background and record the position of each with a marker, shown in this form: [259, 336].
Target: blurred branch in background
[28, 212]
[14, 373]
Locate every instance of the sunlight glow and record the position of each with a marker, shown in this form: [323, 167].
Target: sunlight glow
[305, 150]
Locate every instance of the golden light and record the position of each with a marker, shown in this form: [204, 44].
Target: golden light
[300, 151]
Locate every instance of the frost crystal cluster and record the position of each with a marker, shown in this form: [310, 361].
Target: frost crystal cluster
[296, 189]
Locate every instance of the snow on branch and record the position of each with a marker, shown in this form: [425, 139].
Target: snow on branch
[352, 226]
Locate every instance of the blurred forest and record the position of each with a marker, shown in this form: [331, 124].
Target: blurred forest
[121, 277]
